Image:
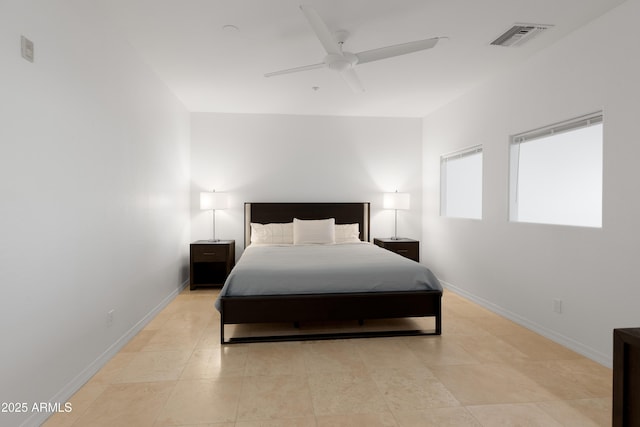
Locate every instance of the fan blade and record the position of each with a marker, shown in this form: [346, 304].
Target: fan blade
[395, 50]
[320, 28]
[295, 70]
[352, 80]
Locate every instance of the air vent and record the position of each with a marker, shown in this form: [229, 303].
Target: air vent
[519, 34]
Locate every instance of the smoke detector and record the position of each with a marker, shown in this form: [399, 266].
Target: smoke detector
[519, 34]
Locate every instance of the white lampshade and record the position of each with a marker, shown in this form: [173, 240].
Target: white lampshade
[213, 201]
[396, 200]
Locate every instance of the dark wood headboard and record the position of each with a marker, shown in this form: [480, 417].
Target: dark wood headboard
[344, 213]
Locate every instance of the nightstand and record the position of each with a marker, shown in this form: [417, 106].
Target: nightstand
[408, 248]
[211, 262]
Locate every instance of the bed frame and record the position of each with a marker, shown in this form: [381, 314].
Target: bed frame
[324, 307]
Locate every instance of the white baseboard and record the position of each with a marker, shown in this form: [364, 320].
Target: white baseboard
[75, 384]
[570, 343]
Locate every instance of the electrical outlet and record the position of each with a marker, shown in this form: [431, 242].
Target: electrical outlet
[110, 317]
[557, 306]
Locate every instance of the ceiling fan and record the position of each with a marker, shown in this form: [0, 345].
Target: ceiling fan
[344, 62]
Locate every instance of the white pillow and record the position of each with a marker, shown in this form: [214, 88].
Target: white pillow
[348, 233]
[272, 233]
[319, 231]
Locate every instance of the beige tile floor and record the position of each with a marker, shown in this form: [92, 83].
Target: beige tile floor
[483, 371]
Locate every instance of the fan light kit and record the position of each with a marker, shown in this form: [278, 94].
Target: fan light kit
[230, 28]
[345, 62]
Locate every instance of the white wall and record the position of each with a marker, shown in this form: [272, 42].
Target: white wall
[285, 158]
[515, 268]
[94, 177]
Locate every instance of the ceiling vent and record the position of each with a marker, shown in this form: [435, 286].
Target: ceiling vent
[519, 34]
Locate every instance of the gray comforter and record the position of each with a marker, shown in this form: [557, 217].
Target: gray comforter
[313, 269]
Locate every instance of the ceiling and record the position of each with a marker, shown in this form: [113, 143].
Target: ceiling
[212, 69]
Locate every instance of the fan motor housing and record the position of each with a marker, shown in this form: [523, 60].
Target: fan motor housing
[342, 62]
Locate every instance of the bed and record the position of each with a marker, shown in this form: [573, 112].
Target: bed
[254, 293]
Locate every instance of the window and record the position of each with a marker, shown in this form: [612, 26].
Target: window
[461, 184]
[556, 174]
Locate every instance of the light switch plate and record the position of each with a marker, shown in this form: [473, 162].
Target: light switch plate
[26, 48]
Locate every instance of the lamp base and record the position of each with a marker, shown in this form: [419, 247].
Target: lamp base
[397, 238]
